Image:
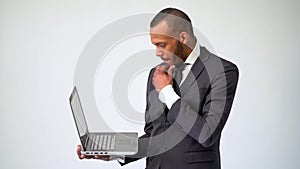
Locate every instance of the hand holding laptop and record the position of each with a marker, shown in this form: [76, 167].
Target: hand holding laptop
[100, 145]
[83, 156]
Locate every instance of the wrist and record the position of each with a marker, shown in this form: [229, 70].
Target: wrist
[168, 96]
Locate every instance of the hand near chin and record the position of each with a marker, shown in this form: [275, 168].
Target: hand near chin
[161, 78]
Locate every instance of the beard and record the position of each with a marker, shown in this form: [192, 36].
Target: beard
[179, 53]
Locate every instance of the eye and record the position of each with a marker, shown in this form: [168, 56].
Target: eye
[161, 45]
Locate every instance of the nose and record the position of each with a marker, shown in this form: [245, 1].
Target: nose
[159, 52]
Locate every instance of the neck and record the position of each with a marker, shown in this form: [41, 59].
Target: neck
[189, 48]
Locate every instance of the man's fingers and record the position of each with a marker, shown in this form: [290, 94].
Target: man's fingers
[162, 68]
[170, 71]
[81, 156]
[158, 70]
[105, 158]
[102, 157]
[78, 148]
[79, 152]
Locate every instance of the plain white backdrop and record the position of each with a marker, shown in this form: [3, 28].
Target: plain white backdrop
[41, 41]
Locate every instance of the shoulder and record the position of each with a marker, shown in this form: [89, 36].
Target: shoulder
[215, 60]
[218, 67]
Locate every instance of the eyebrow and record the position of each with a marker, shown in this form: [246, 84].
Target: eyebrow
[160, 42]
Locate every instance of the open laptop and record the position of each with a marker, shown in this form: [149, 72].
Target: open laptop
[101, 143]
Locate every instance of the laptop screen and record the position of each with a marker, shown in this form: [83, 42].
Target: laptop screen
[78, 115]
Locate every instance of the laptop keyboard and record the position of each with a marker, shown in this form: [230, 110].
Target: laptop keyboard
[102, 142]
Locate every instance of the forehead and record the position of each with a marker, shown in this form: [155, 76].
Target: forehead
[160, 28]
[160, 32]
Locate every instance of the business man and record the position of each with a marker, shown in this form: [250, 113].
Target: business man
[189, 98]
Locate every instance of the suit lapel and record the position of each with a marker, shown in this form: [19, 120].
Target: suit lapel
[196, 70]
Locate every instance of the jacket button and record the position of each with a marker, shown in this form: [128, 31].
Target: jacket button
[167, 124]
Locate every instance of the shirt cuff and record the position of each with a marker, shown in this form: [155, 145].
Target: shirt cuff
[168, 96]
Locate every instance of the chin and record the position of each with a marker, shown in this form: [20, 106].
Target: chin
[168, 62]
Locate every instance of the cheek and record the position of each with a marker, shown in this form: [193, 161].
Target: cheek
[171, 50]
[175, 54]
[170, 55]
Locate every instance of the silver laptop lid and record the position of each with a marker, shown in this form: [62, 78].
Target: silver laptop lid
[79, 118]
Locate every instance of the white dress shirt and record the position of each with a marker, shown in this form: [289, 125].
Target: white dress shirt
[167, 94]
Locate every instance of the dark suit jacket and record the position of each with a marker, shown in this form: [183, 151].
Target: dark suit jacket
[188, 135]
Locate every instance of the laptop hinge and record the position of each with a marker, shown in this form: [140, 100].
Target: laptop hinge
[84, 140]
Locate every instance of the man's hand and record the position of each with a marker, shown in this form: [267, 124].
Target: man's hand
[161, 78]
[82, 156]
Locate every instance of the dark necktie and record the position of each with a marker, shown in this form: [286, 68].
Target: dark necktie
[177, 76]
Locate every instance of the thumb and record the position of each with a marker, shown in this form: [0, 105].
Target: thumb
[170, 71]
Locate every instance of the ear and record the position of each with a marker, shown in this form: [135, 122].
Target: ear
[184, 37]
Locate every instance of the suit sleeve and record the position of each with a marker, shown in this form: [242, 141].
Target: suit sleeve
[143, 141]
[206, 123]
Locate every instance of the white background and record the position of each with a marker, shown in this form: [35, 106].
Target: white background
[40, 42]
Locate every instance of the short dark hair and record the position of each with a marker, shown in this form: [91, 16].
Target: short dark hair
[175, 18]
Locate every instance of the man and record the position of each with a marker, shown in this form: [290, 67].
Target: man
[189, 97]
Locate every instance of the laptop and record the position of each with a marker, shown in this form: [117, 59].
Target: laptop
[101, 143]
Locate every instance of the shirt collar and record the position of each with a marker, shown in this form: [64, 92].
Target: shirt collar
[193, 55]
